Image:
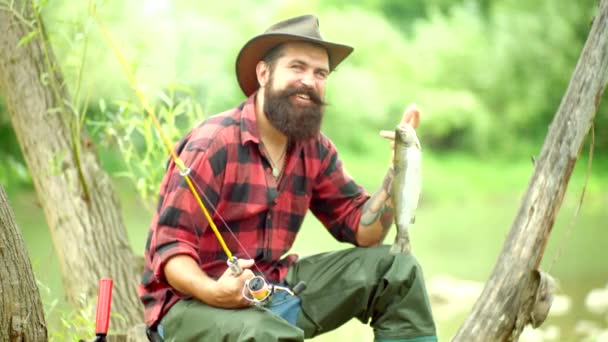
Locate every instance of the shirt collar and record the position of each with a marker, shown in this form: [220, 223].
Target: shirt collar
[249, 126]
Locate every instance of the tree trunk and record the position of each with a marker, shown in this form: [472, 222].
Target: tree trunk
[506, 303]
[21, 312]
[76, 194]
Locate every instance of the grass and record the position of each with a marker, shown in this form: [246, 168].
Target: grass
[466, 211]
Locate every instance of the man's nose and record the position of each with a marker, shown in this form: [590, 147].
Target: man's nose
[308, 79]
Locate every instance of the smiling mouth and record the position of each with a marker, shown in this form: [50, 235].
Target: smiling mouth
[303, 97]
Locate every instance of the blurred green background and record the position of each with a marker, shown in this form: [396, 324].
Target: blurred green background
[488, 76]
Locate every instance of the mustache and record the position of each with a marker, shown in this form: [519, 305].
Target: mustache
[311, 93]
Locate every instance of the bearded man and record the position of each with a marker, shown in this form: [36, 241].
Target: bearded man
[259, 168]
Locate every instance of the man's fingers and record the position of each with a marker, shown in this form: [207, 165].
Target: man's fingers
[247, 274]
[245, 263]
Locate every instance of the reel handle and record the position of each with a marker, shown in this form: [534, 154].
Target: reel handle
[258, 291]
[300, 286]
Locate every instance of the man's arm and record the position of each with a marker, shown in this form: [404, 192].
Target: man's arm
[377, 214]
[183, 273]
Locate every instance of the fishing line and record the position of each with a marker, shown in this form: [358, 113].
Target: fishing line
[184, 171]
[225, 224]
[261, 291]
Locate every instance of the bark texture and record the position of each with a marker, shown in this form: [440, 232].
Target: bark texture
[21, 310]
[506, 303]
[77, 197]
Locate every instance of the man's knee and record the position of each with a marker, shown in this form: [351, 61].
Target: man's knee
[266, 326]
[409, 262]
[402, 266]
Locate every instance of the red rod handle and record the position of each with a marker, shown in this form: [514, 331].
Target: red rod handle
[104, 301]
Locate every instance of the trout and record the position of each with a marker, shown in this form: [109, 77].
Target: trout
[407, 184]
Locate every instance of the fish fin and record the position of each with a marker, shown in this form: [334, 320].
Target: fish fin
[400, 246]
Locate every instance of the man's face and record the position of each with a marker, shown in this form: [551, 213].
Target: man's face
[295, 90]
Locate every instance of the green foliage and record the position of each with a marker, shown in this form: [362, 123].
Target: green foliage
[487, 75]
[28, 38]
[127, 126]
[13, 171]
[73, 109]
[68, 324]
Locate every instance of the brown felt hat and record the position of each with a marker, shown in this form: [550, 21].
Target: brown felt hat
[303, 28]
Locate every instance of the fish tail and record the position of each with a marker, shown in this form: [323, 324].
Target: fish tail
[401, 245]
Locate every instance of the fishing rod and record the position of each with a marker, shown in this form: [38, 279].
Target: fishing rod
[256, 290]
[183, 170]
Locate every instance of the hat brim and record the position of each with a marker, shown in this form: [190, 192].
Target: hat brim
[255, 49]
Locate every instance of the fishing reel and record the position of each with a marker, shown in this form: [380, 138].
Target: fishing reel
[259, 292]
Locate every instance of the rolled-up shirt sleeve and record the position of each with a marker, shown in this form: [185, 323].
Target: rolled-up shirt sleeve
[179, 221]
[337, 200]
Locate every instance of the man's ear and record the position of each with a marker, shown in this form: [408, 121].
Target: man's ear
[262, 71]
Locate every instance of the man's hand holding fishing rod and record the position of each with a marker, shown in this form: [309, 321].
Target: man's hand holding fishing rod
[184, 274]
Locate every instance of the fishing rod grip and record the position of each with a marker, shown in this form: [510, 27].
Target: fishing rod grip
[104, 301]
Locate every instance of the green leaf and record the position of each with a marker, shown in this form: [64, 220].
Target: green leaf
[102, 105]
[44, 79]
[27, 38]
[54, 110]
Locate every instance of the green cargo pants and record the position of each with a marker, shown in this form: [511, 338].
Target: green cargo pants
[367, 283]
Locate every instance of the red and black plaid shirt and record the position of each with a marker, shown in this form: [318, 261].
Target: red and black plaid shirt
[228, 168]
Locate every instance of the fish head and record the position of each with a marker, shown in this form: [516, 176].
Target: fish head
[406, 134]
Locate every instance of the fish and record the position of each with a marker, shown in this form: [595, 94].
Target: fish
[407, 185]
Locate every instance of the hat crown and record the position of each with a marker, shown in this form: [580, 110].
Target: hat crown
[305, 25]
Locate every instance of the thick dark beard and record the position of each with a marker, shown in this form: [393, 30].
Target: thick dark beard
[297, 122]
